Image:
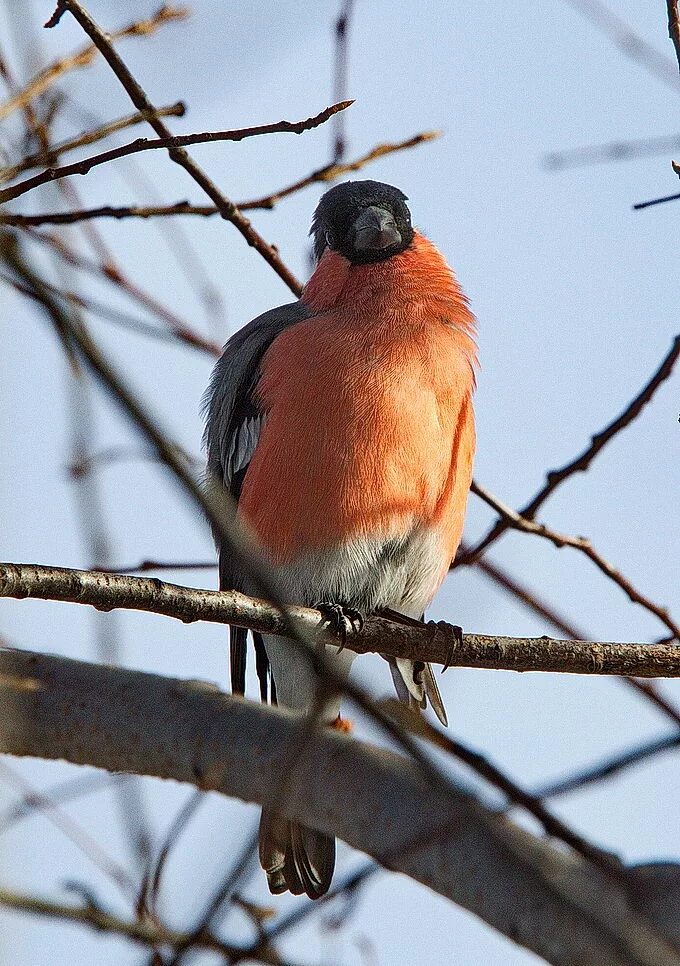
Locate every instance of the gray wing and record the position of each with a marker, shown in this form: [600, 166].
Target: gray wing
[232, 430]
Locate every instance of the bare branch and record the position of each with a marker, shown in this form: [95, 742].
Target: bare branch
[322, 175]
[169, 142]
[517, 521]
[607, 769]
[674, 26]
[227, 208]
[41, 158]
[581, 463]
[142, 931]
[435, 643]
[84, 57]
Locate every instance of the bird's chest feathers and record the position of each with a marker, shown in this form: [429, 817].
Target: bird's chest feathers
[367, 405]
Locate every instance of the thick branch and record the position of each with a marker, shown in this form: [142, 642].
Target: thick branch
[126, 721]
[435, 643]
[168, 142]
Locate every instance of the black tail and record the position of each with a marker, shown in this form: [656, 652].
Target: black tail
[296, 858]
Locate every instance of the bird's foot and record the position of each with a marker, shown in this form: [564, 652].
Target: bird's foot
[341, 724]
[340, 619]
[455, 634]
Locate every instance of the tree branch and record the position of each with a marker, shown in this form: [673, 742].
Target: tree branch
[435, 643]
[169, 142]
[227, 208]
[142, 931]
[517, 521]
[581, 463]
[49, 156]
[84, 57]
[188, 731]
[327, 173]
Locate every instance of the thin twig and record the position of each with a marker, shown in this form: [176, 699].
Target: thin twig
[329, 172]
[186, 337]
[87, 137]
[674, 26]
[581, 463]
[84, 57]
[529, 598]
[613, 151]
[625, 39]
[517, 521]
[227, 208]
[142, 931]
[341, 75]
[168, 142]
[607, 769]
[655, 201]
[111, 272]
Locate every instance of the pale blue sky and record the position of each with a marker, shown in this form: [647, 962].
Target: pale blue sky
[577, 301]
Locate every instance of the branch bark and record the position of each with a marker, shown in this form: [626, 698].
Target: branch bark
[434, 643]
[120, 720]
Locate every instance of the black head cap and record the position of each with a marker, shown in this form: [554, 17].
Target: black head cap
[366, 221]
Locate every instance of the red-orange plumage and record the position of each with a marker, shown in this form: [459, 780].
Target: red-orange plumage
[370, 401]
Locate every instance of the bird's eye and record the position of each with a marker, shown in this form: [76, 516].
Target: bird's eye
[329, 239]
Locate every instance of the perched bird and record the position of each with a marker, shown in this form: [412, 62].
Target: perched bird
[343, 425]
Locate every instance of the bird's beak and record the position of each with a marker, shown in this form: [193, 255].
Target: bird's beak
[375, 229]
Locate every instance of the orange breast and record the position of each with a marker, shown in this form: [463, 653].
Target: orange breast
[369, 427]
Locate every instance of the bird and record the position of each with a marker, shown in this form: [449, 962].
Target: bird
[342, 424]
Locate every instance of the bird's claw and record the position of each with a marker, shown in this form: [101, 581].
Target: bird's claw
[340, 619]
[454, 632]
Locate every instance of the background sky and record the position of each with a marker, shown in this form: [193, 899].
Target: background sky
[576, 296]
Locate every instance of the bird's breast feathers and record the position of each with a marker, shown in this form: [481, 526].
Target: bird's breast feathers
[368, 431]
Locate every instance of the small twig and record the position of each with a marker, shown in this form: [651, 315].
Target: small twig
[87, 137]
[655, 201]
[84, 57]
[141, 931]
[113, 273]
[518, 521]
[674, 26]
[227, 208]
[168, 142]
[329, 172]
[614, 151]
[530, 599]
[74, 832]
[627, 41]
[182, 337]
[581, 463]
[606, 769]
[341, 75]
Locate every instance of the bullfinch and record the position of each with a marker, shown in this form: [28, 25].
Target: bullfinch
[343, 426]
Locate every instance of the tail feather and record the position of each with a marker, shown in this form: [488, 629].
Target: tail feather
[415, 684]
[296, 858]
[238, 649]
